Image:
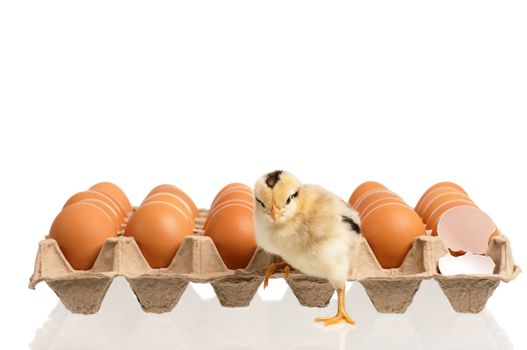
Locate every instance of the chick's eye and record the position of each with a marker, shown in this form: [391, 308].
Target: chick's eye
[290, 198]
[261, 203]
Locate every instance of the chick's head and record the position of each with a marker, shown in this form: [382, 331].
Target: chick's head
[276, 195]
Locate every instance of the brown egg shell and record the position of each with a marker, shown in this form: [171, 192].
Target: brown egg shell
[362, 189]
[390, 230]
[89, 194]
[232, 230]
[80, 230]
[158, 229]
[116, 193]
[450, 186]
[178, 192]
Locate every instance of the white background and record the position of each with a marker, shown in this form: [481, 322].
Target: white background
[202, 93]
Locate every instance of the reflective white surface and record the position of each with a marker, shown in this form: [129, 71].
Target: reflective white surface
[429, 323]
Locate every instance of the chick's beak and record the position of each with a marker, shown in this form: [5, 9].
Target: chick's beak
[275, 213]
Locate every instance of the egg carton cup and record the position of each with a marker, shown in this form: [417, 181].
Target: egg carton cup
[198, 260]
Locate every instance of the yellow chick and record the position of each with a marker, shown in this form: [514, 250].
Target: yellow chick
[312, 229]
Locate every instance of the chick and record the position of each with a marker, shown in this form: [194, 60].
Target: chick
[312, 229]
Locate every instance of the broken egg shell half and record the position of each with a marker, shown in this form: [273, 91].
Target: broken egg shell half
[466, 228]
[436, 214]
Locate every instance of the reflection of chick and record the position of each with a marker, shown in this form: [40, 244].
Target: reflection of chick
[312, 229]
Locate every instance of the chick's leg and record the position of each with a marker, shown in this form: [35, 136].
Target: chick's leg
[276, 266]
[342, 314]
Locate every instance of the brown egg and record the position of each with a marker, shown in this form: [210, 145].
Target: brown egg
[116, 219]
[362, 189]
[379, 202]
[390, 230]
[434, 194]
[434, 217]
[249, 204]
[95, 195]
[233, 194]
[158, 228]
[436, 202]
[114, 192]
[80, 230]
[440, 185]
[175, 200]
[372, 196]
[232, 230]
[230, 187]
[178, 192]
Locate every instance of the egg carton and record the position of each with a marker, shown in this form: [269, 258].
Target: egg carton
[197, 260]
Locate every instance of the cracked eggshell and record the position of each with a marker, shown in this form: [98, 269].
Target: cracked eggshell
[465, 228]
[436, 214]
[468, 264]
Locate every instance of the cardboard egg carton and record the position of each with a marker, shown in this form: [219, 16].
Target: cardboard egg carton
[197, 260]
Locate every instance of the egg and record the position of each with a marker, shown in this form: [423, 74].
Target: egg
[116, 219]
[390, 230]
[436, 214]
[114, 192]
[178, 192]
[440, 199]
[80, 230]
[80, 196]
[371, 197]
[362, 189]
[438, 186]
[466, 228]
[175, 200]
[211, 213]
[158, 229]
[230, 187]
[232, 230]
[233, 194]
[379, 202]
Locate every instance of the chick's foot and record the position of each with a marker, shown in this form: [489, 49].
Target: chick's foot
[276, 266]
[342, 314]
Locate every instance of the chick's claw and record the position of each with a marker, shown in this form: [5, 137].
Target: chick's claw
[276, 266]
[335, 319]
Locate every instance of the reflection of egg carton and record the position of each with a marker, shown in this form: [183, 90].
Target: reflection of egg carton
[197, 260]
